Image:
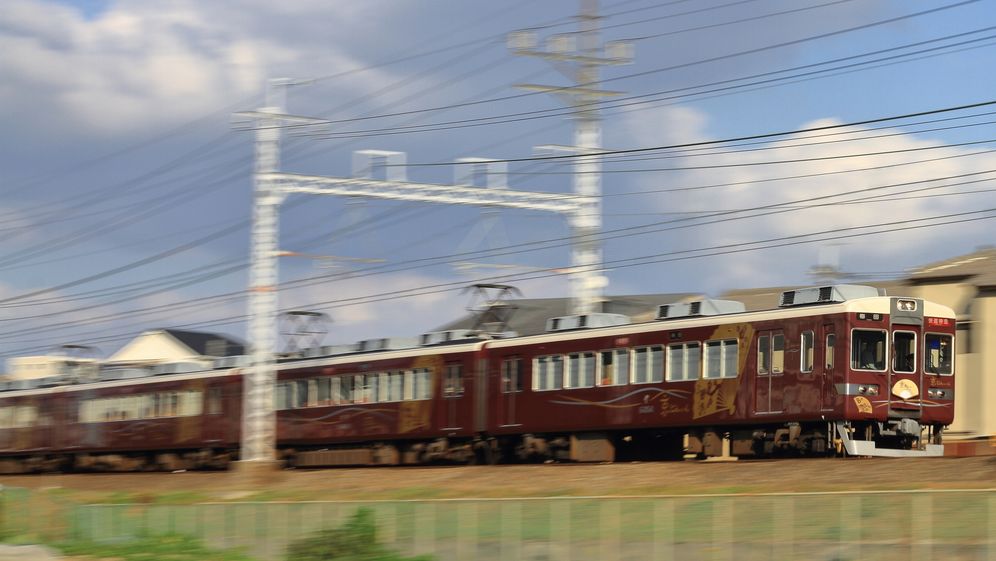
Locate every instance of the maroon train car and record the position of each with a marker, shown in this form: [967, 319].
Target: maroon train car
[832, 370]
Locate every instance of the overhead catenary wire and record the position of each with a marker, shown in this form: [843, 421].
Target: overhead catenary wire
[787, 206]
[681, 255]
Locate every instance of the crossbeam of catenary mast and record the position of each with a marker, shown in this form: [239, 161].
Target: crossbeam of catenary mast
[288, 183]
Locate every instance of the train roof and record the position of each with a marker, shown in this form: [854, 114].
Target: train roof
[700, 313]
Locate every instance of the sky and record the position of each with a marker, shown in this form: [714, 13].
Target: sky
[753, 140]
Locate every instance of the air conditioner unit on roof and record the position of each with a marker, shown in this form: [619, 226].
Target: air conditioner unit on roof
[826, 294]
[697, 308]
[585, 321]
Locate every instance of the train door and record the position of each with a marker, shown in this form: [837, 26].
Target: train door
[453, 400]
[826, 380]
[510, 379]
[768, 396]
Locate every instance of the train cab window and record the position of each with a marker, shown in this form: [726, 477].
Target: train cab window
[683, 362]
[903, 351]
[548, 372]
[808, 345]
[511, 375]
[648, 365]
[453, 381]
[721, 359]
[938, 354]
[580, 370]
[868, 349]
[614, 367]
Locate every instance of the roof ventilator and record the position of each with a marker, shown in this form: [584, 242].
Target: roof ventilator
[826, 294]
[448, 336]
[698, 308]
[386, 344]
[585, 321]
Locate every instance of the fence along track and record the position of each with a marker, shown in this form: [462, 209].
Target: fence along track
[887, 525]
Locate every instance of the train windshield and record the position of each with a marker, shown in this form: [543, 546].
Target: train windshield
[868, 349]
[938, 354]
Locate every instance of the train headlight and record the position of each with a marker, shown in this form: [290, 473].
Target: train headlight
[868, 390]
[935, 394]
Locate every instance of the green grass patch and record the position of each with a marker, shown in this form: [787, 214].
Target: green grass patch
[153, 548]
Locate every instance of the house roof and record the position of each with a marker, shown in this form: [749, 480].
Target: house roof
[207, 344]
[978, 263]
[768, 298]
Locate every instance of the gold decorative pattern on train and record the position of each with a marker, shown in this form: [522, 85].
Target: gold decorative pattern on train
[862, 403]
[905, 389]
[715, 396]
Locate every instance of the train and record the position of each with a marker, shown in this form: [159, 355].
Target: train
[828, 370]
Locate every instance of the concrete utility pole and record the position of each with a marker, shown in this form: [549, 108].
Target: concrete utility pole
[579, 57]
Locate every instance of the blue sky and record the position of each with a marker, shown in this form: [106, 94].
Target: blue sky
[118, 147]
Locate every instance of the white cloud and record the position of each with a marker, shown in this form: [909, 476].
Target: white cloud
[143, 63]
[873, 175]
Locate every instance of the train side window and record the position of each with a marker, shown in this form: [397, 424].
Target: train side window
[191, 403]
[213, 401]
[383, 387]
[548, 372]
[580, 370]
[903, 351]
[408, 391]
[721, 359]
[763, 355]
[323, 391]
[359, 389]
[868, 349]
[423, 384]
[301, 393]
[453, 381]
[511, 375]
[777, 353]
[938, 354]
[648, 364]
[829, 352]
[808, 344]
[395, 383]
[683, 362]
[342, 390]
[614, 367]
[372, 388]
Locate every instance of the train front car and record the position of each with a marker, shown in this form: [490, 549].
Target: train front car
[898, 383]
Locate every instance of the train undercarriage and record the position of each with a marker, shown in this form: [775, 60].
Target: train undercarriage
[898, 437]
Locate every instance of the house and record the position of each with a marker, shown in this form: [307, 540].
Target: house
[173, 345]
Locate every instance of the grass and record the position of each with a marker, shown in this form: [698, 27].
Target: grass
[152, 548]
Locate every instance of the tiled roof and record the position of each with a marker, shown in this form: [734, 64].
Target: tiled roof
[208, 344]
